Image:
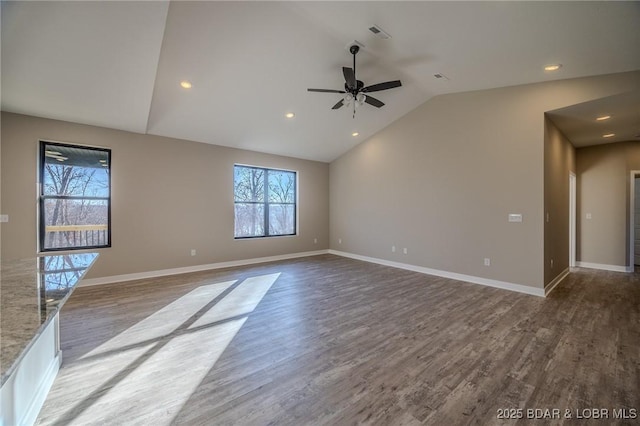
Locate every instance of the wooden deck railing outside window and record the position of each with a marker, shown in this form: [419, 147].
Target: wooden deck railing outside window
[76, 235]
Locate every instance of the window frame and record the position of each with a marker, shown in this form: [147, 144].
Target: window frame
[42, 198]
[266, 202]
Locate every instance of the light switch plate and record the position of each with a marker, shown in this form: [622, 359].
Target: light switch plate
[515, 217]
[4, 218]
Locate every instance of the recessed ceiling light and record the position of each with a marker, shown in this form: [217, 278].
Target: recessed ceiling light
[289, 115]
[608, 135]
[604, 117]
[186, 84]
[552, 67]
[354, 134]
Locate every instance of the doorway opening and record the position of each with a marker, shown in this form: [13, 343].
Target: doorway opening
[572, 220]
[634, 221]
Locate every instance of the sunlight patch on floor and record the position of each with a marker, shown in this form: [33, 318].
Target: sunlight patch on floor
[241, 301]
[147, 373]
[79, 380]
[155, 392]
[164, 321]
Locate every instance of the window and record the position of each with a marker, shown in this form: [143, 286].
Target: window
[75, 197]
[265, 202]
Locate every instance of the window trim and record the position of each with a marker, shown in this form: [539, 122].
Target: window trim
[42, 197]
[266, 203]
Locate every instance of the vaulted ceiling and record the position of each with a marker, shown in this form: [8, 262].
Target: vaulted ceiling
[120, 64]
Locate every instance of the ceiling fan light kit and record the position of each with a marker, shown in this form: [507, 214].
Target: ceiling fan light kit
[355, 91]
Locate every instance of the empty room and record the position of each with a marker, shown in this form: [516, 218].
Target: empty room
[319, 213]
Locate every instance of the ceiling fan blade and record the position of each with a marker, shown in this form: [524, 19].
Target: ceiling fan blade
[349, 77]
[339, 104]
[326, 90]
[373, 101]
[382, 86]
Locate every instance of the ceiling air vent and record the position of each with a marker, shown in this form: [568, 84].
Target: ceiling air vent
[379, 32]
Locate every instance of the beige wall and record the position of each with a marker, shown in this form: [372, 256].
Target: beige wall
[604, 191]
[1, 211]
[559, 160]
[168, 196]
[442, 180]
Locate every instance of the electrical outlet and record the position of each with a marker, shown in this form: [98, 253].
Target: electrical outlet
[405, 251]
[393, 249]
[487, 261]
[193, 252]
[589, 216]
[339, 240]
[315, 241]
[551, 263]
[4, 218]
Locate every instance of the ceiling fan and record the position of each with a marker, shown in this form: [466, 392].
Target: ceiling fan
[355, 90]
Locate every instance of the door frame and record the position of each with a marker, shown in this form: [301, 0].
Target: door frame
[572, 220]
[632, 219]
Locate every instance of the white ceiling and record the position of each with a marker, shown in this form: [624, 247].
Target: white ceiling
[119, 64]
[86, 62]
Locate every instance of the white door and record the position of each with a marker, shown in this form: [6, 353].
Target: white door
[636, 250]
[572, 220]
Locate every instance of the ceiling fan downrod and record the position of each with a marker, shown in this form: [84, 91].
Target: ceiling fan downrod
[354, 51]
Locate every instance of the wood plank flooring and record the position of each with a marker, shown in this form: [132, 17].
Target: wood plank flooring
[326, 340]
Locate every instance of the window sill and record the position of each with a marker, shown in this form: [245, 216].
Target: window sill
[268, 237]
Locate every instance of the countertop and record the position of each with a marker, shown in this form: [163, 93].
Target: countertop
[31, 293]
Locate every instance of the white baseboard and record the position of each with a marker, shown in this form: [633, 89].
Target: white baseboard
[446, 274]
[557, 280]
[196, 268]
[429, 271]
[604, 267]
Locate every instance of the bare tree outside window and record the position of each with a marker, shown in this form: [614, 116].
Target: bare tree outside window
[282, 187]
[265, 202]
[75, 197]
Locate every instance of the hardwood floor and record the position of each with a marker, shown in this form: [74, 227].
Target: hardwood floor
[329, 340]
